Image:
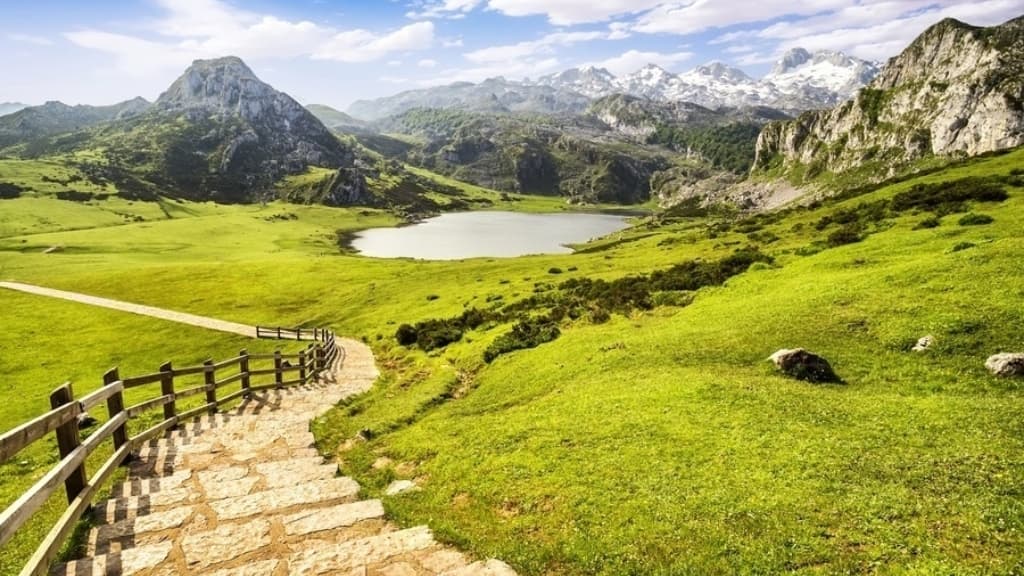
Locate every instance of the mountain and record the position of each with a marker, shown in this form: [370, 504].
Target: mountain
[11, 107]
[800, 81]
[56, 118]
[334, 118]
[495, 95]
[590, 81]
[957, 90]
[832, 71]
[217, 133]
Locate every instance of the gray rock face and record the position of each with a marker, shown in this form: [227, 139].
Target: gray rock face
[1006, 365]
[259, 133]
[957, 90]
[803, 365]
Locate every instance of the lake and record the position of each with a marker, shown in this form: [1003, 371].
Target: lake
[486, 234]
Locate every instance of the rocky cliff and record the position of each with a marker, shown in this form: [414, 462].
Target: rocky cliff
[956, 91]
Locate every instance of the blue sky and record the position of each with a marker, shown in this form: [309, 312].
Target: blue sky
[337, 51]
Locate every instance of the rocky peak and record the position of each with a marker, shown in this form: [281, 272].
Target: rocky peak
[956, 90]
[225, 86]
[790, 60]
[723, 72]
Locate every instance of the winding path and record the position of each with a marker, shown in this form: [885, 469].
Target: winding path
[246, 493]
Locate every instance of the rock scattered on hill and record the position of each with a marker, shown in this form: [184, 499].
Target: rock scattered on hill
[924, 343]
[803, 365]
[1006, 364]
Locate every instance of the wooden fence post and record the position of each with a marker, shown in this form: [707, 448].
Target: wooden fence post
[302, 367]
[67, 440]
[278, 332]
[115, 405]
[210, 374]
[167, 388]
[243, 368]
[319, 352]
[278, 375]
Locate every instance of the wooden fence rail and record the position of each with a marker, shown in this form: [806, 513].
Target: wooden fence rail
[63, 420]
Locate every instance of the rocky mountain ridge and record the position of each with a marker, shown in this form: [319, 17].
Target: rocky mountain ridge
[56, 118]
[956, 91]
[11, 107]
[800, 81]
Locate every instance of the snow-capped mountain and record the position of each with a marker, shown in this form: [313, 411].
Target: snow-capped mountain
[800, 80]
[591, 81]
[825, 69]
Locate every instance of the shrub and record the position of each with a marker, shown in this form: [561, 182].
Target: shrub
[948, 197]
[406, 335]
[432, 297]
[849, 234]
[599, 315]
[554, 270]
[525, 334]
[10, 191]
[930, 222]
[975, 220]
[963, 246]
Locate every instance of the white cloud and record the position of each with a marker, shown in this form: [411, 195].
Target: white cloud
[452, 9]
[871, 29]
[634, 60]
[545, 45]
[30, 39]
[191, 29]
[569, 12]
[427, 63]
[365, 46]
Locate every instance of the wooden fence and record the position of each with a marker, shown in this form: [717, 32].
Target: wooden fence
[281, 370]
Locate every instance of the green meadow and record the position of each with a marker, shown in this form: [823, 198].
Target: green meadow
[661, 441]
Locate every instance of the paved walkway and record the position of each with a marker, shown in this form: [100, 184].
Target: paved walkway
[246, 493]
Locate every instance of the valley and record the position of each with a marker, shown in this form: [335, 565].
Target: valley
[572, 287]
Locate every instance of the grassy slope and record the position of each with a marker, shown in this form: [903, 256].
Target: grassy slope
[662, 442]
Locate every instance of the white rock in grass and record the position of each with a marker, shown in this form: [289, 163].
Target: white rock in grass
[1006, 364]
[399, 486]
[924, 344]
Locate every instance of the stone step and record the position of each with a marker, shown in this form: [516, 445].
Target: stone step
[321, 557]
[238, 498]
[207, 547]
[129, 561]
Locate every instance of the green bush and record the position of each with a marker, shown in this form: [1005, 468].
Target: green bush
[525, 334]
[975, 220]
[554, 270]
[849, 234]
[9, 191]
[963, 246]
[406, 335]
[949, 197]
[930, 222]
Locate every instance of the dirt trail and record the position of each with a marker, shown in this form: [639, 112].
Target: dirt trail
[141, 309]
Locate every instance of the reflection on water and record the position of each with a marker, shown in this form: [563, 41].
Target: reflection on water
[480, 234]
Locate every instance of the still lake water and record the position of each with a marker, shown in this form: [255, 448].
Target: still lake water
[486, 234]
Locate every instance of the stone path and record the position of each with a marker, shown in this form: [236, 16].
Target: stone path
[245, 493]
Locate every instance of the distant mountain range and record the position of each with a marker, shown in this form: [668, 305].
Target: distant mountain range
[799, 81]
[11, 107]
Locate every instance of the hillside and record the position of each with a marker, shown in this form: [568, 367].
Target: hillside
[956, 91]
[31, 123]
[666, 396]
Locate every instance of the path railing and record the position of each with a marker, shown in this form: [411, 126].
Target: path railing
[252, 373]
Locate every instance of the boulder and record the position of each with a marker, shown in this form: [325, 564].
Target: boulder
[924, 343]
[1006, 364]
[803, 365]
[85, 420]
